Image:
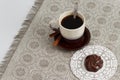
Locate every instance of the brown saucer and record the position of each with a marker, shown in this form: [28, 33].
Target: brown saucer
[75, 44]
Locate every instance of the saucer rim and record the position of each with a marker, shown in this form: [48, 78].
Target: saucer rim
[86, 36]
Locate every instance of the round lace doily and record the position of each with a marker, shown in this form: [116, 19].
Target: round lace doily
[106, 72]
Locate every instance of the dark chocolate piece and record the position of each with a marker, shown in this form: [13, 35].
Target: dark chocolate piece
[93, 63]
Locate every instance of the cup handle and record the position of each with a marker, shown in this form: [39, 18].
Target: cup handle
[54, 24]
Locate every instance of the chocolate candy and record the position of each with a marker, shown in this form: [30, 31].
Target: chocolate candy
[93, 63]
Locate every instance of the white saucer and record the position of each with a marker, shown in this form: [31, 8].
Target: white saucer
[106, 72]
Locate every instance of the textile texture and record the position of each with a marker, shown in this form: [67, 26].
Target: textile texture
[32, 55]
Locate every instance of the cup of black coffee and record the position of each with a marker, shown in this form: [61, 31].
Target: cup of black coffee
[71, 28]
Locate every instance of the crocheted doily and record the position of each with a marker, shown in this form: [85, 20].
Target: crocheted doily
[106, 72]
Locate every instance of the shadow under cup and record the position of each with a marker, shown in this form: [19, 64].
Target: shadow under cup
[71, 28]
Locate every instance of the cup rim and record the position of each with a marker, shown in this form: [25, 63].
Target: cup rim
[70, 13]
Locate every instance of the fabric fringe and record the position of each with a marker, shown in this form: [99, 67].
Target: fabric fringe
[19, 36]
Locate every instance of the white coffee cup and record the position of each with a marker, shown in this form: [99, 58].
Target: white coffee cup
[71, 34]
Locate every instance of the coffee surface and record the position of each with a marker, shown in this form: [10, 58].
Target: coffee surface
[71, 23]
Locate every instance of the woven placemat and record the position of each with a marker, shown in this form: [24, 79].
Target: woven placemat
[32, 56]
